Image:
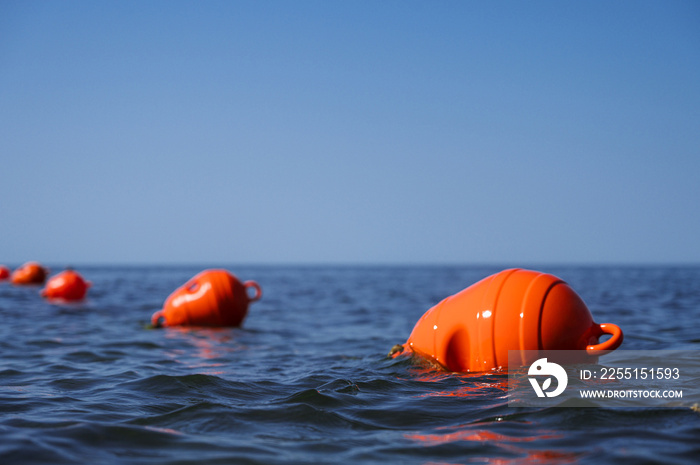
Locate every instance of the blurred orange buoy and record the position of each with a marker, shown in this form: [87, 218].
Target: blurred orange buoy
[211, 298]
[515, 309]
[4, 272]
[67, 285]
[29, 273]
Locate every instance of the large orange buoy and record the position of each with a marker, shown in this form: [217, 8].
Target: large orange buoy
[515, 309]
[67, 285]
[4, 272]
[29, 273]
[211, 298]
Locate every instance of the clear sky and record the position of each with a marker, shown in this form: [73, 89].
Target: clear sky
[350, 132]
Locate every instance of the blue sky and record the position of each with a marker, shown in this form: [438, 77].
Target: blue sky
[350, 132]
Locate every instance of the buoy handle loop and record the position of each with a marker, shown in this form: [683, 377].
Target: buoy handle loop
[155, 319]
[256, 286]
[611, 344]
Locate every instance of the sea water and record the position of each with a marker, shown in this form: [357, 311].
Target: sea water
[307, 380]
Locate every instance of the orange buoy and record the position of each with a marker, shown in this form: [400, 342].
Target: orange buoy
[29, 273]
[67, 285]
[211, 298]
[4, 272]
[515, 309]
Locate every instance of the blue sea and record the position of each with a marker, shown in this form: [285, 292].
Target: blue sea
[307, 378]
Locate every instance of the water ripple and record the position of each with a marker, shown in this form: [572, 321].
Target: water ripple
[306, 380]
